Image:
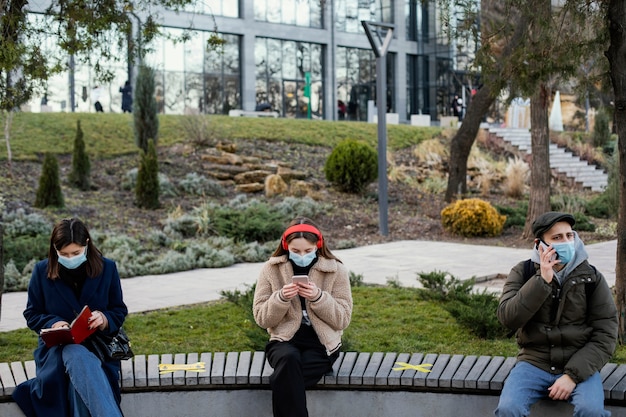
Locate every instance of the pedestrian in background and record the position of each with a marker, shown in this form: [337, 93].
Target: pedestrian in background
[127, 97]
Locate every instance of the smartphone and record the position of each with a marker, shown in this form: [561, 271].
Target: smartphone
[545, 247]
[300, 279]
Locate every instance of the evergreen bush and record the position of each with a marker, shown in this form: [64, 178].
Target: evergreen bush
[81, 167]
[601, 131]
[351, 166]
[472, 217]
[49, 193]
[146, 121]
[147, 190]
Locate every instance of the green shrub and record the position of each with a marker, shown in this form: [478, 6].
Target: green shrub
[351, 166]
[81, 167]
[49, 193]
[292, 207]
[14, 280]
[472, 217]
[195, 184]
[245, 299]
[147, 191]
[146, 121]
[515, 216]
[356, 280]
[601, 131]
[166, 188]
[257, 222]
[18, 223]
[22, 249]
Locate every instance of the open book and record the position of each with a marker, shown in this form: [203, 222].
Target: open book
[78, 331]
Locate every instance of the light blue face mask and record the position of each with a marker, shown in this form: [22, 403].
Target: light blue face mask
[565, 251]
[73, 262]
[303, 260]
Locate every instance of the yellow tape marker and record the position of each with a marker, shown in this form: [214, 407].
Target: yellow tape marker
[165, 368]
[406, 366]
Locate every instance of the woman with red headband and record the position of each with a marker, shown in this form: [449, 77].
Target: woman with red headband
[305, 318]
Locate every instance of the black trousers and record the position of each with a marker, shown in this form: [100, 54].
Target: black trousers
[298, 364]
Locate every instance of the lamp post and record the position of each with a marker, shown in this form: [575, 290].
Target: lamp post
[379, 36]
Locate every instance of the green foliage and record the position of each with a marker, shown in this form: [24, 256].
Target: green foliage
[245, 300]
[601, 131]
[49, 193]
[472, 217]
[22, 249]
[351, 166]
[195, 184]
[606, 205]
[19, 223]
[474, 311]
[356, 280]
[515, 216]
[147, 191]
[146, 121]
[255, 222]
[81, 167]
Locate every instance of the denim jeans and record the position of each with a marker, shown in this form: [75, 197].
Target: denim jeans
[527, 384]
[87, 378]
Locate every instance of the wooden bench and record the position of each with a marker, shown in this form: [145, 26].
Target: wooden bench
[364, 384]
[240, 113]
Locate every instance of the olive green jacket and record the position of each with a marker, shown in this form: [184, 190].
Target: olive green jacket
[330, 314]
[574, 336]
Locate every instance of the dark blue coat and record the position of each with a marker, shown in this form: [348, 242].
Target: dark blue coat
[50, 301]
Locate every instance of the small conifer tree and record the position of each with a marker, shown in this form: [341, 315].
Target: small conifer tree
[147, 191]
[49, 191]
[81, 167]
[146, 121]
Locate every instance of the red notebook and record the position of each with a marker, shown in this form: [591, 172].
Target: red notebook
[79, 330]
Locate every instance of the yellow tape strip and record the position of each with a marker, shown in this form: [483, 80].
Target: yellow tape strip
[165, 368]
[406, 366]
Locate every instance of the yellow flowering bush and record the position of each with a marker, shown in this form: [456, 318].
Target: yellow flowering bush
[472, 217]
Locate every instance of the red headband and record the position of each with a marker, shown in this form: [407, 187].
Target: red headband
[302, 228]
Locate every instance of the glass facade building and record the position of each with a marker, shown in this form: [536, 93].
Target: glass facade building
[305, 58]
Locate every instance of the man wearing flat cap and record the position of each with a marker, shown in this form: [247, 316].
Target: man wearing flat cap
[565, 321]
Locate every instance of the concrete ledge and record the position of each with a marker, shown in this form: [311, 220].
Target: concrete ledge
[365, 384]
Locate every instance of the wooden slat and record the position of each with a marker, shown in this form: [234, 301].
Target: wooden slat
[369, 376]
[256, 368]
[230, 370]
[419, 379]
[349, 359]
[153, 371]
[31, 369]
[618, 392]
[605, 372]
[332, 379]
[217, 368]
[267, 371]
[432, 379]
[609, 384]
[141, 375]
[19, 375]
[191, 377]
[243, 368]
[445, 380]
[479, 367]
[497, 382]
[407, 375]
[485, 378]
[6, 378]
[458, 379]
[384, 370]
[204, 378]
[394, 376]
[356, 376]
[126, 373]
[178, 377]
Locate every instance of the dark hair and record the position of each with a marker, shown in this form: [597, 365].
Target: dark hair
[69, 231]
[310, 236]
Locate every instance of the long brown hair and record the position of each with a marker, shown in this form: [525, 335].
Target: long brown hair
[69, 231]
[314, 237]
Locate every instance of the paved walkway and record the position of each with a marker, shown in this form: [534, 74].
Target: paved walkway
[400, 261]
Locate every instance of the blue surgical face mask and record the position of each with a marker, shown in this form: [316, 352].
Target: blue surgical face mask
[73, 262]
[565, 251]
[303, 260]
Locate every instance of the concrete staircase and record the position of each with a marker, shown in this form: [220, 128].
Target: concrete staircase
[562, 161]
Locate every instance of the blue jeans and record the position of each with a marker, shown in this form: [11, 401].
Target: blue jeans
[527, 384]
[87, 379]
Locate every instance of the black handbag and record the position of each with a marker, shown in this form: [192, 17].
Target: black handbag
[107, 348]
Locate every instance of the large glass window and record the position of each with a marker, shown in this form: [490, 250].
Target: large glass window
[306, 13]
[416, 15]
[194, 79]
[282, 70]
[350, 13]
[417, 95]
[227, 8]
[356, 81]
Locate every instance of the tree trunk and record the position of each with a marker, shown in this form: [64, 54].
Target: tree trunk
[462, 142]
[539, 201]
[616, 54]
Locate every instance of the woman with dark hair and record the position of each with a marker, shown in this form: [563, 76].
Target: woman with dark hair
[71, 380]
[305, 317]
